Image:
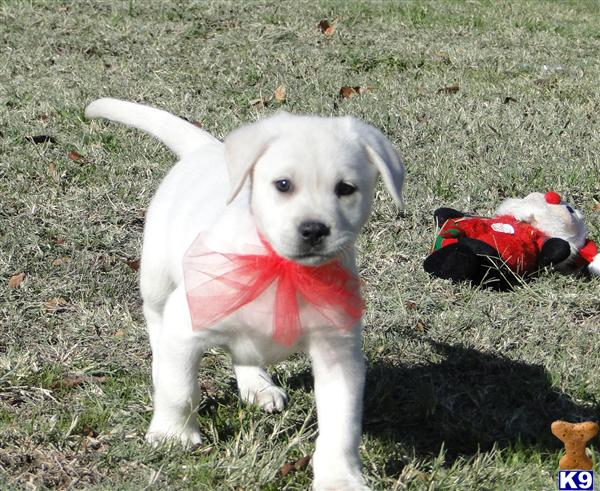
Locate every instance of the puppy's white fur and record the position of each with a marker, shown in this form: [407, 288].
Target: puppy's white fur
[227, 192]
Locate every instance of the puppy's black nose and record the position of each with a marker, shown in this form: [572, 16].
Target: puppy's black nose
[313, 232]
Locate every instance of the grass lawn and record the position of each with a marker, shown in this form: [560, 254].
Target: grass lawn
[484, 99]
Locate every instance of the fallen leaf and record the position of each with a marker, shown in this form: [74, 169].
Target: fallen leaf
[61, 260]
[88, 431]
[37, 139]
[133, 264]
[410, 305]
[348, 92]
[74, 156]
[56, 304]
[16, 280]
[596, 207]
[259, 103]
[443, 57]
[450, 89]
[509, 99]
[420, 326]
[119, 333]
[197, 123]
[54, 172]
[58, 240]
[106, 263]
[70, 381]
[302, 463]
[285, 469]
[327, 28]
[279, 94]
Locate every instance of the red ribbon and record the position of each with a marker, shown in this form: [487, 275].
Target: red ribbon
[218, 284]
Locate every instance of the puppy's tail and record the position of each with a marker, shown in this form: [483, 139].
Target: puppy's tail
[176, 133]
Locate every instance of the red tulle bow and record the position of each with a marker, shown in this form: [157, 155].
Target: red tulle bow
[218, 284]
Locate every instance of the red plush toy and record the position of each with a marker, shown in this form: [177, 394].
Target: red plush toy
[525, 235]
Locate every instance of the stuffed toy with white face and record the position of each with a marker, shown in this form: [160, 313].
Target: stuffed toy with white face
[525, 235]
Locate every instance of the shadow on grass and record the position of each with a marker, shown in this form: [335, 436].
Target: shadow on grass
[469, 401]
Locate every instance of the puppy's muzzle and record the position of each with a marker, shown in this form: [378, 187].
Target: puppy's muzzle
[312, 232]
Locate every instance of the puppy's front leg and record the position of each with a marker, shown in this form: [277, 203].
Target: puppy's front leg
[176, 354]
[339, 373]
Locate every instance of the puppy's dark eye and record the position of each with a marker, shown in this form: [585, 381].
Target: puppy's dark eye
[344, 188]
[283, 185]
[571, 210]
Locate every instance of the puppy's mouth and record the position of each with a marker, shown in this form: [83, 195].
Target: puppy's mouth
[312, 258]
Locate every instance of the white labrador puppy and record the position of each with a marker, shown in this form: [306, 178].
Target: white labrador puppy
[306, 185]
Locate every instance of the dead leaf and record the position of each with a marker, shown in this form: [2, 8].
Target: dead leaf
[74, 156]
[508, 99]
[56, 304]
[58, 240]
[16, 280]
[90, 439]
[596, 207]
[70, 381]
[302, 463]
[37, 139]
[285, 469]
[327, 28]
[61, 260]
[410, 305]
[449, 89]
[279, 94]
[420, 326]
[197, 123]
[348, 92]
[299, 465]
[546, 82]
[259, 103]
[119, 333]
[133, 264]
[88, 431]
[442, 57]
[106, 263]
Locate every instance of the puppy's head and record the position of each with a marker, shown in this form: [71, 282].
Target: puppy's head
[312, 180]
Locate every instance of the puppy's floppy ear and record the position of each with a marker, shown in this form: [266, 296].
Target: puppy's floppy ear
[384, 156]
[244, 146]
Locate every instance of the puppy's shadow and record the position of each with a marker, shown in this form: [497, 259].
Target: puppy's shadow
[467, 402]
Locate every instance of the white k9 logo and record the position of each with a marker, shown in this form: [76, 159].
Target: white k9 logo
[577, 480]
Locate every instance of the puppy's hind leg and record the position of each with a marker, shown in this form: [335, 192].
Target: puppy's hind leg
[155, 286]
[257, 387]
[177, 352]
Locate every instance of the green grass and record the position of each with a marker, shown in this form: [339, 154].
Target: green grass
[462, 383]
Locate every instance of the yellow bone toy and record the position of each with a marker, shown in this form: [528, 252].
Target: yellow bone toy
[575, 436]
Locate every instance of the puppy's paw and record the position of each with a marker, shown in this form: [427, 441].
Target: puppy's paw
[187, 435]
[270, 398]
